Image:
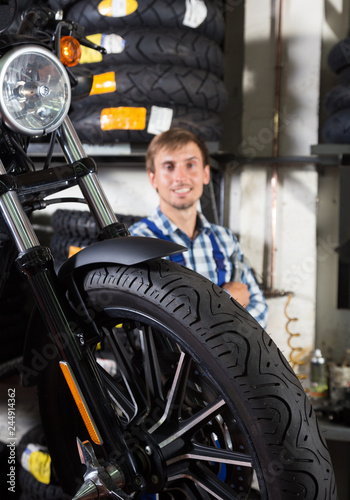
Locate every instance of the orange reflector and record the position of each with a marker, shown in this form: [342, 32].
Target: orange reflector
[80, 402]
[123, 118]
[103, 83]
[70, 51]
[73, 250]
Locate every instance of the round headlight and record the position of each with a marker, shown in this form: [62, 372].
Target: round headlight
[35, 90]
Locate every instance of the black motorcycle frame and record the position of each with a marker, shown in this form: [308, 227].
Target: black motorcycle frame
[71, 333]
[23, 189]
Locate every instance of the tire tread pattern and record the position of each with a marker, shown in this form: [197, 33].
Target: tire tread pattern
[249, 365]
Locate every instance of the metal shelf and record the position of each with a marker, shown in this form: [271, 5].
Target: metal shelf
[109, 152]
[332, 154]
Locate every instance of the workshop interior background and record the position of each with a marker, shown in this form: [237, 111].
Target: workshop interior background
[276, 173]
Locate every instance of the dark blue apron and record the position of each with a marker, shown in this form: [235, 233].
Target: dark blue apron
[179, 258]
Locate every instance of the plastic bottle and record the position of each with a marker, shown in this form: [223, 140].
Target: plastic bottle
[318, 376]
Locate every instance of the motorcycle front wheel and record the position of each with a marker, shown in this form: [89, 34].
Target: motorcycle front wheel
[209, 405]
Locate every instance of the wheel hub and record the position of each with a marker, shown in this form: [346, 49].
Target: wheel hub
[153, 466]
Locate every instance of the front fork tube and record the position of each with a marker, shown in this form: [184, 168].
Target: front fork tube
[89, 184]
[36, 262]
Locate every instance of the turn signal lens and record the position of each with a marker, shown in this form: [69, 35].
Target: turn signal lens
[80, 402]
[70, 53]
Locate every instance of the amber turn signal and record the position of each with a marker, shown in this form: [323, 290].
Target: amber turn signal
[70, 52]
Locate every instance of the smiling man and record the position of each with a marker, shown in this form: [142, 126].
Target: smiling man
[177, 163]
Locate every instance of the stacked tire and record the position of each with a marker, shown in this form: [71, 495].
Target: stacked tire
[336, 129]
[37, 478]
[75, 228]
[163, 68]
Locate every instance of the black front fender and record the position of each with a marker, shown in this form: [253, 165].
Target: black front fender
[128, 250]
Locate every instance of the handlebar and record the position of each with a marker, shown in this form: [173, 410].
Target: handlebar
[41, 16]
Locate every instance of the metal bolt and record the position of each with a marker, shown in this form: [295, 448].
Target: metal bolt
[155, 479]
[148, 450]
[138, 480]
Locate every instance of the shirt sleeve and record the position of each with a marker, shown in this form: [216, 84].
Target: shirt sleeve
[257, 306]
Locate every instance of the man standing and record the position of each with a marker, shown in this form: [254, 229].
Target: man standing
[177, 163]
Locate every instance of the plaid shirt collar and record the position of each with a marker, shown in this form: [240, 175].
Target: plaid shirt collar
[168, 227]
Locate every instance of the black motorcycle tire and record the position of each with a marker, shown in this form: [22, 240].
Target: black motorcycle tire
[61, 4]
[29, 485]
[161, 46]
[339, 56]
[87, 123]
[229, 359]
[73, 228]
[60, 245]
[77, 223]
[32, 489]
[337, 98]
[336, 128]
[149, 13]
[160, 84]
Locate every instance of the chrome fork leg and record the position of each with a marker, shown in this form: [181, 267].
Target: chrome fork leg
[90, 185]
[16, 219]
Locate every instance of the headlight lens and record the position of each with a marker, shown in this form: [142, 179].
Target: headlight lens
[35, 90]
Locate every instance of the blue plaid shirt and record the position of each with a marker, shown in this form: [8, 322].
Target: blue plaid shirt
[200, 256]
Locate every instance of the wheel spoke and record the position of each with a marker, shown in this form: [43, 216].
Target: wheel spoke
[151, 365]
[133, 383]
[177, 391]
[119, 396]
[211, 454]
[191, 425]
[205, 479]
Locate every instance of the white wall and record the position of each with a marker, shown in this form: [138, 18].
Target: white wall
[297, 187]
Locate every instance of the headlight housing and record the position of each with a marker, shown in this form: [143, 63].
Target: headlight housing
[35, 91]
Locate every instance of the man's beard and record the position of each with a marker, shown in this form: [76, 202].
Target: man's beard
[184, 205]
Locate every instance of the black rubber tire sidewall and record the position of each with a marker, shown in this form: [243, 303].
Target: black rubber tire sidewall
[336, 128]
[150, 13]
[60, 245]
[78, 229]
[87, 123]
[61, 4]
[339, 56]
[81, 224]
[337, 99]
[160, 84]
[161, 46]
[31, 488]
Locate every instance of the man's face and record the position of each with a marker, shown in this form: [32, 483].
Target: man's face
[179, 176]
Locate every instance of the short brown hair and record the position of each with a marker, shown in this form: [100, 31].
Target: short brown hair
[172, 139]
